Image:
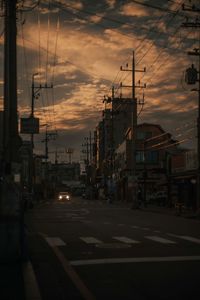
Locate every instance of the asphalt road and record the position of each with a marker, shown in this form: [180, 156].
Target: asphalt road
[93, 250]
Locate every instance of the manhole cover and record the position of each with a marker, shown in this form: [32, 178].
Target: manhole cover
[112, 245]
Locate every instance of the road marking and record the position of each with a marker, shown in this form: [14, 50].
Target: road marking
[106, 223]
[160, 240]
[125, 240]
[135, 227]
[187, 238]
[90, 240]
[145, 228]
[133, 260]
[85, 292]
[54, 241]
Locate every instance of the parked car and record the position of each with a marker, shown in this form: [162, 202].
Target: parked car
[64, 196]
[159, 197]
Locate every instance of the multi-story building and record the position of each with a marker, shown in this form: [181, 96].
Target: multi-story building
[111, 131]
[153, 146]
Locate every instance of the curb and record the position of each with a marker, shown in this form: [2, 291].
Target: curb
[31, 287]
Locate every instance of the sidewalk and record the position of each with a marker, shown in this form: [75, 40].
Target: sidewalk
[186, 213]
[11, 281]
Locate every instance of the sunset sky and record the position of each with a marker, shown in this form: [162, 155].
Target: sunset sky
[79, 46]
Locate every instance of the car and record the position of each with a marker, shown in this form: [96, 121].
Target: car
[62, 196]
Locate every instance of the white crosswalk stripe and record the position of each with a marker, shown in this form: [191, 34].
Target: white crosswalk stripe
[160, 239]
[187, 238]
[126, 240]
[54, 241]
[90, 240]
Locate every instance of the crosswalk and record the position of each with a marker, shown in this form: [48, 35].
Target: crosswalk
[169, 240]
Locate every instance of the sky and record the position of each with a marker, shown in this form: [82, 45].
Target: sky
[79, 46]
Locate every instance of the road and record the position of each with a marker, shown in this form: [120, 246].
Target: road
[92, 250]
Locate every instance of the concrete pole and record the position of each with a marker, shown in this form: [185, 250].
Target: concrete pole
[198, 145]
[133, 137]
[11, 138]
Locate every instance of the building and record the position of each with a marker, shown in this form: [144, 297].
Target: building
[152, 155]
[183, 178]
[110, 133]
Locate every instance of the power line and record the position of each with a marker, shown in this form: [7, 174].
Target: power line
[65, 6]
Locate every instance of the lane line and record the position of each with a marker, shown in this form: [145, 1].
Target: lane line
[133, 260]
[125, 240]
[90, 240]
[55, 241]
[160, 240]
[85, 292]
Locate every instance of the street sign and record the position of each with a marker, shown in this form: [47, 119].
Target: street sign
[29, 125]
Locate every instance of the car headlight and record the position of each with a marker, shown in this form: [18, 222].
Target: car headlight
[60, 197]
[67, 197]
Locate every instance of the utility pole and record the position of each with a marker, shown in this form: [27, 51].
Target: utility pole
[10, 136]
[35, 95]
[10, 209]
[90, 146]
[133, 128]
[193, 76]
[196, 52]
[86, 151]
[48, 136]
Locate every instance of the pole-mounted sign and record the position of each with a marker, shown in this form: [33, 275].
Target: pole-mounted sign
[29, 125]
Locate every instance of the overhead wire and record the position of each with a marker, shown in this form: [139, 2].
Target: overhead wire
[39, 62]
[47, 64]
[117, 21]
[25, 59]
[152, 43]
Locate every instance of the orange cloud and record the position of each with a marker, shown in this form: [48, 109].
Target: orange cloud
[134, 10]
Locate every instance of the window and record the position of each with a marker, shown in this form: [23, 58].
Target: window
[139, 156]
[140, 135]
[152, 156]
